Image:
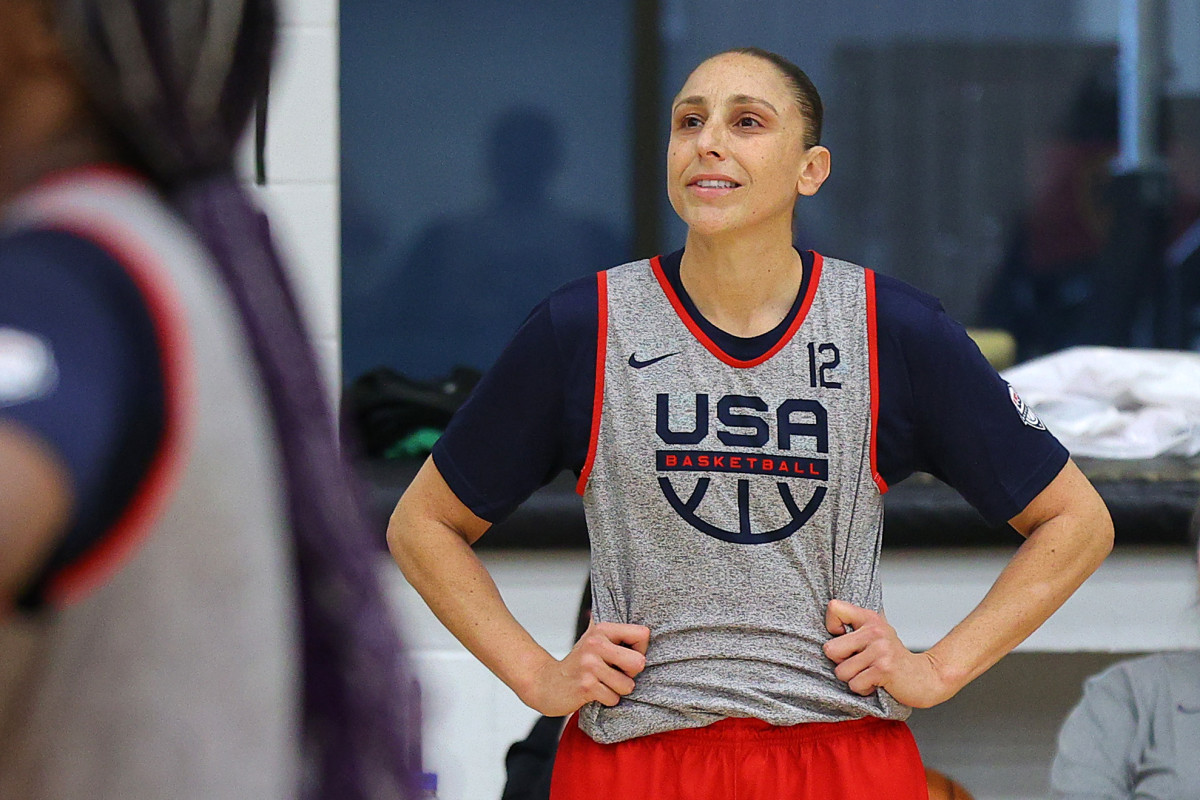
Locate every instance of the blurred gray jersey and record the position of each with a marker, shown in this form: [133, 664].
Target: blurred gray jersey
[728, 502]
[178, 677]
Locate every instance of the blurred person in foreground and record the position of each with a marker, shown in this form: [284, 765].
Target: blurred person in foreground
[187, 602]
[1135, 733]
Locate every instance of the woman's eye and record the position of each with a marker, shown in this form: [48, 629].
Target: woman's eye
[691, 121]
[748, 122]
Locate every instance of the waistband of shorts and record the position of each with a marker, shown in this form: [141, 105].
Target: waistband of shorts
[748, 729]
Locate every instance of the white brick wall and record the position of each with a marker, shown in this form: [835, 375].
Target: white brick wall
[302, 193]
[470, 716]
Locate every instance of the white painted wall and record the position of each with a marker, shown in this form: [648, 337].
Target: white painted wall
[302, 192]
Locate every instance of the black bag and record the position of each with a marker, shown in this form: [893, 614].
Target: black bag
[383, 407]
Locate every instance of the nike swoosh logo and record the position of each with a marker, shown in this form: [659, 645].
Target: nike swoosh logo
[633, 361]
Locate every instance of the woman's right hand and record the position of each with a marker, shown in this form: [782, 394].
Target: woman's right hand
[600, 667]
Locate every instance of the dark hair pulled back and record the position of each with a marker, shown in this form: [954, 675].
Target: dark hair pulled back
[804, 91]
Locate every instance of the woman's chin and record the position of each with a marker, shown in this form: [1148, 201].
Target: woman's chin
[709, 225]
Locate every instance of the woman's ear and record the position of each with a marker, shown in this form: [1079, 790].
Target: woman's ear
[814, 171]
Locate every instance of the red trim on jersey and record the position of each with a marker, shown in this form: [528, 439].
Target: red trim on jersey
[150, 498]
[104, 171]
[873, 359]
[710, 345]
[598, 396]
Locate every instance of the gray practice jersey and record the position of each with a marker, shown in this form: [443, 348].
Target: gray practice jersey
[728, 501]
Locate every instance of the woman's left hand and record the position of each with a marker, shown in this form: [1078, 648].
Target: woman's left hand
[872, 656]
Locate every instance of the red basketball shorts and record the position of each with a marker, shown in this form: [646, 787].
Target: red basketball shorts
[745, 759]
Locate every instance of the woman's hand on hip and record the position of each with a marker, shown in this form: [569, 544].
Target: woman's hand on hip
[600, 667]
[870, 655]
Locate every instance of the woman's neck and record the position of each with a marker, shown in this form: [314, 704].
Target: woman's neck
[744, 287]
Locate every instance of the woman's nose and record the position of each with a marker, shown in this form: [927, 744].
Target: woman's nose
[711, 141]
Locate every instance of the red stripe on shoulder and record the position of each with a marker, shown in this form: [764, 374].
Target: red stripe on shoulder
[151, 496]
[598, 395]
[873, 358]
[100, 171]
[710, 345]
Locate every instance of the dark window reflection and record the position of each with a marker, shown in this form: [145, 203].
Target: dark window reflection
[485, 162]
[1088, 258]
[470, 278]
[973, 148]
[487, 151]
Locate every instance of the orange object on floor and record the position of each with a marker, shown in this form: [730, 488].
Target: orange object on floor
[943, 787]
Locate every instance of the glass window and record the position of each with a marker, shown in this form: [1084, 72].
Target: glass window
[972, 148]
[485, 161]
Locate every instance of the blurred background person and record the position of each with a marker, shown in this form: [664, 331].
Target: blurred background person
[1136, 731]
[471, 277]
[187, 602]
[1058, 285]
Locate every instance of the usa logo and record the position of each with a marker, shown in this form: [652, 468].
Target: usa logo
[1027, 415]
[744, 421]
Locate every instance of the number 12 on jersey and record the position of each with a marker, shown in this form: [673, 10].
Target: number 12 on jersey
[822, 359]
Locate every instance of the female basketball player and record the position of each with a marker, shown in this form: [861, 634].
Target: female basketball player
[735, 412]
[187, 602]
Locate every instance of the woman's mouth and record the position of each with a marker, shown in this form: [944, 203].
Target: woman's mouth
[712, 186]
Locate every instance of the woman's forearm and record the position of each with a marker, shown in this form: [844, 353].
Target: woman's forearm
[437, 560]
[430, 536]
[1068, 533]
[1059, 553]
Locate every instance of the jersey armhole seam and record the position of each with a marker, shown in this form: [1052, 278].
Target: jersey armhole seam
[598, 379]
[873, 362]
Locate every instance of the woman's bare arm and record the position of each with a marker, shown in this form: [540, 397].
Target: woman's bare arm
[1068, 534]
[35, 507]
[430, 536]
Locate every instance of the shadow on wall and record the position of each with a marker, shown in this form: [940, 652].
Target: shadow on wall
[469, 279]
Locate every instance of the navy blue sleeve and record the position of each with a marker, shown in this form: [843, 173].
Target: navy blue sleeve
[103, 412]
[529, 418]
[944, 410]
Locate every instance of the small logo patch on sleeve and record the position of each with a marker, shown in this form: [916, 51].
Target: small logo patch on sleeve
[27, 367]
[1027, 415]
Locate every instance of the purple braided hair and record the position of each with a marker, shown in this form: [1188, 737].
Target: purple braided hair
[177, 81]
